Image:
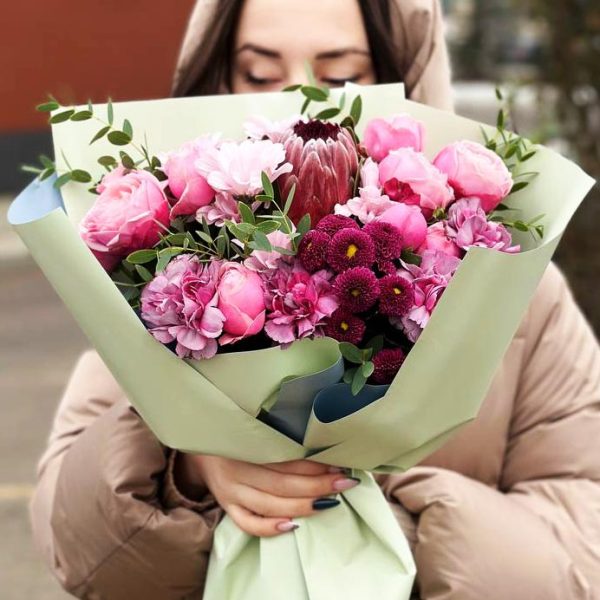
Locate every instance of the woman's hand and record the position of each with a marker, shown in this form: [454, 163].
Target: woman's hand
[262, 500]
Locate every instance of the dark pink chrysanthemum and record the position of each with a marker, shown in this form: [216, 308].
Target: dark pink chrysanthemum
[396, 297]
[387, 239]
[343, 326]
[387, 363]
[350, 248]
[357, 289]
[313, 250]
[331, 224]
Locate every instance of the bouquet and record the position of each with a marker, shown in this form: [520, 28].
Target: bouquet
[267, 285]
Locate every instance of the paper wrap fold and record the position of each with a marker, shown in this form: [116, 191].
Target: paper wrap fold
[356, 550]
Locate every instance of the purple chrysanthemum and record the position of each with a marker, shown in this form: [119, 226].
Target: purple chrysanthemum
[331, 224]
[357, 289]
[343, 326]
[387, 239]
[387, 363]
[313, 250]
[350, 248]
[397, 296]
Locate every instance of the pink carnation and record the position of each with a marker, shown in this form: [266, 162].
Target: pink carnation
[298, 303]
[263, 261]
[180, 305]
[429, 280]
[468, 226]
[236, 168]
[438, 239]
[400, 131]
[223, 208]
[126, 216]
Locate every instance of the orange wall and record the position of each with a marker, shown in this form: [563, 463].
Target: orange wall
[80, 49]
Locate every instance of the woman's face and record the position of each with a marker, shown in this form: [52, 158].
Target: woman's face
[277, 38]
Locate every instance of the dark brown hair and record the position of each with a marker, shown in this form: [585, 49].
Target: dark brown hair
[210, 66]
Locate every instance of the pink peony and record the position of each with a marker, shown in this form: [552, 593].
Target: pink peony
[468, 226]
[409, 221]
[180, 305]
[400, 131]
[126, 216]
[298, 303]
[473, 170]
[262, 261]
[260, 128]
[429, 280]
[236, 168]
[437, 239]
[409, 177]
[223, 208]
[242, 302]
[371, 203]
[188, 186]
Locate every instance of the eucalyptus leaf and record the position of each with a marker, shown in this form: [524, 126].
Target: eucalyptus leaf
[119, 138]
[267, 185]
[289, 200]
[356, 109]
[246, 213]
[107, 161]
[141, 257]
[144, 273]
[80, 176]
[82, 115]
[62, 180]
[100, 134]
[110, 113]
[127, 128]
[304, 224]
[351, 353]
[292, 88]
[314, 93]
[367, 369]
[328, 113]
[61, 117]
[358, 382]
[262, 241]
[47, 106]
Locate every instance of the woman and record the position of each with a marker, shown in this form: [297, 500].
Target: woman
[509, 509]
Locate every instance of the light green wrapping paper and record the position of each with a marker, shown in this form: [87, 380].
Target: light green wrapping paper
[356, 550]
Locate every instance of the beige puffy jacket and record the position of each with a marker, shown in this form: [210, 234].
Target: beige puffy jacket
[507, 510]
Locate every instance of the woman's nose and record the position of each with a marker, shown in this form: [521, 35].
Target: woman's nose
[298, 74]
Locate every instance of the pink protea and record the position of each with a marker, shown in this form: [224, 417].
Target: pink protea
[429, 280]
[298, 303]
[324, 162]
[180, 305]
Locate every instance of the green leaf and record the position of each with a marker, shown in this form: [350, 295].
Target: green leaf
[127, 128]
[107, 161]
[60, 117]
[367, 369]
[48, 163]
[284, 251]
[292, 88]
[305, 106]
[499, 94]
[110, 113]
[520, 226]
[356, 109]
[100, 134]
[289, 200]
[155, 162]
[351, 353]
[126, 160]
[119, 138]
[376, 344]
[328, 113]
[501, 119]
[46, 173]
[164, 256]
[268, 226]
[47, 106]
[342, 101]
[64, 178]
[205, 237]
[267, 185]
[512, 150]
[314, 93]
[303, 225]
[262, 241]
[528, 156]
[408, 256]
[358, 382]
[144, 273]
[517, 187]
[349, 376]
[82, 115]
[222, 241]
[246, 213]
[141, 257]
[80, 176]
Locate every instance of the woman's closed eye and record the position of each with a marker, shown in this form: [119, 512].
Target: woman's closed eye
[340, 81]
[260, 81]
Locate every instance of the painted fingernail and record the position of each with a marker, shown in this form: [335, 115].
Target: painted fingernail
[325, 503]
[335, 470]
[340, 485]
[287, 526]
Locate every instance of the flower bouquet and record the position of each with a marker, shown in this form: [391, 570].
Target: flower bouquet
[270, 286]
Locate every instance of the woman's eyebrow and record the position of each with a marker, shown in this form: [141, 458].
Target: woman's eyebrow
[259, 50]
[340, 52]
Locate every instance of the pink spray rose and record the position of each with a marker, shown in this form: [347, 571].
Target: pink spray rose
[126, 216]
[409, 220]
[409, 177]
[468, 226]
[430, 279]
[188, 186]
[242, 302]
[180, 305]
[473, 170]
[437, 239]
[263, 261]
[400, 131]
[236, 168]
[298, 303]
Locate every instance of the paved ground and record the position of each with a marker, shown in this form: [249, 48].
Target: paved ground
[38, 345]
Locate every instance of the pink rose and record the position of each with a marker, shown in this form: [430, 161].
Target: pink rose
[400, 131]
[242, 302]
[473, 170]
[126, 216]
[185, 182]
[438, 240]
[409, 177]
[409, 220]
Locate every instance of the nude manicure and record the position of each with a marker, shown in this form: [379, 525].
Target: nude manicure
[340, 485]
[287, 526]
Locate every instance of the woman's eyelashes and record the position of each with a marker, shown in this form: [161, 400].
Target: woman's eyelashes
[257, 81]
[260, 81]
[339, 81]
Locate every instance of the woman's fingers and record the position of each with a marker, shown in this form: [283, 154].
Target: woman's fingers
[300, 467]
[258, 526]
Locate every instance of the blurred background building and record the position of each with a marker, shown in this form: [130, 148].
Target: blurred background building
[545, 53]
